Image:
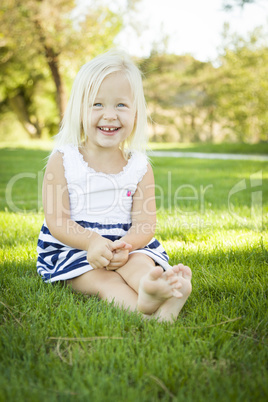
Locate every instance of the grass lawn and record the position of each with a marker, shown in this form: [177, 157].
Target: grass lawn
[59, 346]
[228, 148]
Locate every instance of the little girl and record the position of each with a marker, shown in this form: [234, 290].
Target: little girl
[98, 197]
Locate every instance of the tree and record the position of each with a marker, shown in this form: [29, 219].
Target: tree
[230, 4]
[18, 86]
[191, 101]
[41, 39]
[175, 92]
[241, 89]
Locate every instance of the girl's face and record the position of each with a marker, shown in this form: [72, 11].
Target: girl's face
[113, 113]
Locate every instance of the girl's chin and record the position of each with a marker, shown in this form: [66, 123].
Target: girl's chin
[109, 141]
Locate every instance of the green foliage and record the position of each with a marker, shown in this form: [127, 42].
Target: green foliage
[241, 87]
[60, 346]
[42, 46]
[190, 100]
[230, 4]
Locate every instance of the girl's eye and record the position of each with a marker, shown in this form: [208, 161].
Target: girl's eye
[121, 105]
[97, 104]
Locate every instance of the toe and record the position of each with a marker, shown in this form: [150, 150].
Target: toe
[183, 271]
[168, 274]
[187, 273]
[155, 273]
[176, 269]
[173, 280]
[177, 294]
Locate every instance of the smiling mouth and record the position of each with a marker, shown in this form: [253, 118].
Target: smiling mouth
[109, 130]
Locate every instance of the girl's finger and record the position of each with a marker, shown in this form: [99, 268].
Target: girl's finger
[103, 262]
[118, 244]
[116, 258]
[107, 254]
[111, 268]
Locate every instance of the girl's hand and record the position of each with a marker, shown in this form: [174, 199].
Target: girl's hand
[120, 255]
[99, 253]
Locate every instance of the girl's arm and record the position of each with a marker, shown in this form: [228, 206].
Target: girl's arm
[143, 213]
[61, 226]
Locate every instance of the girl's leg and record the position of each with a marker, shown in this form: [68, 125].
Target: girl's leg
[171, 308]
[153, 286]
[107, 285]
[139, 275]
[137, 266]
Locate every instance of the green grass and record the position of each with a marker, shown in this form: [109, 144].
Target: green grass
[234, 148]
[229, 148]
[216, 350]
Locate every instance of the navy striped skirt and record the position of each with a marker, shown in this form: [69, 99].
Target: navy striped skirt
[58, 262]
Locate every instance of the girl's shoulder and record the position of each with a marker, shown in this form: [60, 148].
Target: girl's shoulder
[139, 164]
[64, 149]
[139, 157]
[66, 155]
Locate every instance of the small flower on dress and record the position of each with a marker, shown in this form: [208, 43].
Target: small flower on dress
[129, 193]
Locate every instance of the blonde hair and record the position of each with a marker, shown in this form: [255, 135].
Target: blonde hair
[84, 91]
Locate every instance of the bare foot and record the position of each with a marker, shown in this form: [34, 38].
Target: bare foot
[156, 287]
[171, 308]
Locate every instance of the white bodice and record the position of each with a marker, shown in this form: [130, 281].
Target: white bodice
[100, 197]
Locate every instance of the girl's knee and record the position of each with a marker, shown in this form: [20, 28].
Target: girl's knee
[92, 282]
[138, 263]
[141, 258]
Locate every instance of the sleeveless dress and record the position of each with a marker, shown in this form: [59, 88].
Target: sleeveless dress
[99, 202]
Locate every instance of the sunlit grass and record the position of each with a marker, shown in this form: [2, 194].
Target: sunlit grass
[232, 148]
[59, 346]
[235, 148]
[220, 338]
[45, 145]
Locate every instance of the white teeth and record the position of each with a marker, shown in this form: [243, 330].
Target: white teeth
[108, 128]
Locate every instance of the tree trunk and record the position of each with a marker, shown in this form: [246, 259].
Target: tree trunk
[52, 58]
[211, 123]
[19, 106]
[53, 62]
[192, 115]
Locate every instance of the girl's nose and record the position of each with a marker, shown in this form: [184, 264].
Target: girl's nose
[110, 114]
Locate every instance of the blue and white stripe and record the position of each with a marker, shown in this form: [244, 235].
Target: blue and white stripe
[58, 262]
